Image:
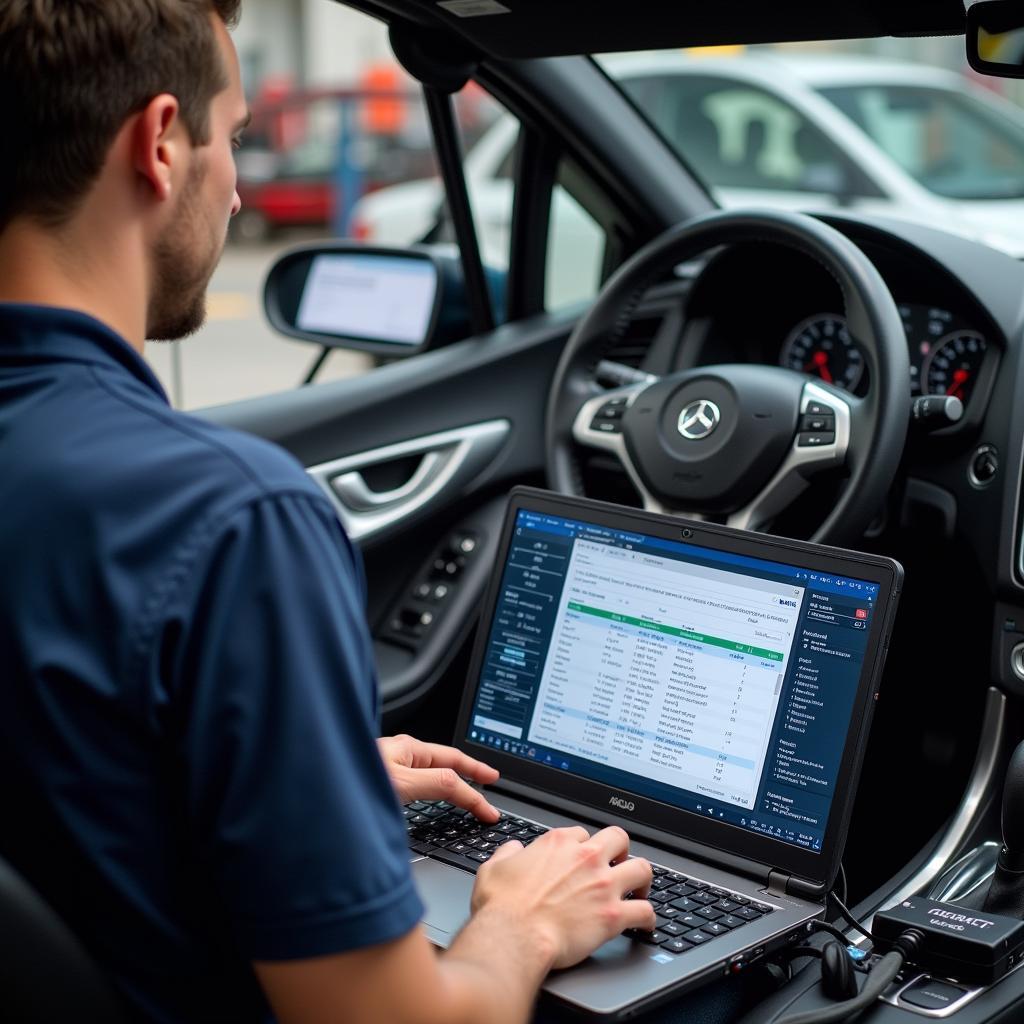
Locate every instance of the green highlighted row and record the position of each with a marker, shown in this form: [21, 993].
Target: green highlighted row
[686, 634]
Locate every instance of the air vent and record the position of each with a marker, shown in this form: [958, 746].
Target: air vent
[633, 347]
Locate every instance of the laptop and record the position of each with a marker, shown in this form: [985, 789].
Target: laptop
[710, 690]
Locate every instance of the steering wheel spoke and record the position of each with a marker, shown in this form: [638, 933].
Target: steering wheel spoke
[822, 442]
[598, 425]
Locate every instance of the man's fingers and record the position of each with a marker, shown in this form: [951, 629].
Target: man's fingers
[633, 875]
[638, 914]
[507, 849]
[445, 784]
[613, 841]
[436, 755]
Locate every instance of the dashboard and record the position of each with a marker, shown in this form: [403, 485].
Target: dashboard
[768, 304]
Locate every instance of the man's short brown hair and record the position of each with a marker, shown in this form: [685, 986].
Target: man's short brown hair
[73, 71]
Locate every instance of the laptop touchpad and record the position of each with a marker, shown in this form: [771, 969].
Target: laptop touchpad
[445, 893]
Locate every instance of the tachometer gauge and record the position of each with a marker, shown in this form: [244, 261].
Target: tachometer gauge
[953, 364]
[821, 345]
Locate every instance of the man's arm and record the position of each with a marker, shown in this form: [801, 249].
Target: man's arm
[547, 906]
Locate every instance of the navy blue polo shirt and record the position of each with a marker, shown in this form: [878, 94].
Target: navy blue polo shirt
[188, 709]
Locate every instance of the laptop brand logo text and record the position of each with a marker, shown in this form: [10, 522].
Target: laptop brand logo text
[699, 419]
[623, 805]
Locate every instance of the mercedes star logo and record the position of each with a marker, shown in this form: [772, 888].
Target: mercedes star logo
[699, 419]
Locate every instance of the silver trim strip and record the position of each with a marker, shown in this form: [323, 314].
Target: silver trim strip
[792, 476]
[450, 460]
[983, 776]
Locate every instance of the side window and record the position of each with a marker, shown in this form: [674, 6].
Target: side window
[348, 154]
[739, 136]
[576, 241]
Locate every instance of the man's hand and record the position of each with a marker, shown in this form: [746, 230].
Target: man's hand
[567, 889]
[430, 771]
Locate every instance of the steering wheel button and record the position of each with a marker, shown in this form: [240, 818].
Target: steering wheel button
[818, 424]
[818, 409]
[606, 426]
[815, 440]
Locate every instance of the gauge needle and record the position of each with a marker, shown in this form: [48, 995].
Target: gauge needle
[960, 378]
[819, 362]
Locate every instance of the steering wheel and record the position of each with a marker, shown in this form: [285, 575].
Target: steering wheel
[738, 442]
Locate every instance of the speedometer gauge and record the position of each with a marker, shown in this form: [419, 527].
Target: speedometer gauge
[954, 362]
[821, 345]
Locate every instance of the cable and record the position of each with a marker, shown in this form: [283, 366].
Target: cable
[795, 952]
[849, 918]
[842, 879]
[823, 926]
[881, 977]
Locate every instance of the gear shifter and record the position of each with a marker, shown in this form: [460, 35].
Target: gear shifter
[1006, 893]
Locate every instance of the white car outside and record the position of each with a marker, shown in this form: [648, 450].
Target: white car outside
[806, 133]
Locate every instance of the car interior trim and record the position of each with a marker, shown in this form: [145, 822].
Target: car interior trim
[449, 460]
[985, 779]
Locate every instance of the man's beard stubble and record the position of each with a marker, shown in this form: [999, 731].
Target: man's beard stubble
[184, 261]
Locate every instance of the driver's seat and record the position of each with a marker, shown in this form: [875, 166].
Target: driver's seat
[45, 973]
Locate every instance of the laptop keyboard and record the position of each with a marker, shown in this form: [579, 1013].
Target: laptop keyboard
[690, 912]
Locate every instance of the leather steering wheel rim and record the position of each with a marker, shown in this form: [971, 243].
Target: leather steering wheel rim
[879, 429]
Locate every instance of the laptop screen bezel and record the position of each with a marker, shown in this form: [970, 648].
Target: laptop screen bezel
[818, 868]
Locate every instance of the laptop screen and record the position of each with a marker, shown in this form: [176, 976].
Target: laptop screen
[715, 682]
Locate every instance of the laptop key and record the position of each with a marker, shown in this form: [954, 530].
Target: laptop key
[741, 900]
[727, 906]
[747, 913]
[483, 856]
[658, 884]
[667, 910]
[690, 921]
[673, 928]
[662, 897]
[455, 859]
[762, 908]
[655, 938]
[685, 903]
[698, 937]
[710, 913]
[683, 890]
[677, 945]
[703, 898]
[714, 928]
[731, 921]
[720, 893]
[658, 870]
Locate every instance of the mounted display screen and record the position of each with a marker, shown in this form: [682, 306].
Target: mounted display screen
[374, 297]
[715, 682]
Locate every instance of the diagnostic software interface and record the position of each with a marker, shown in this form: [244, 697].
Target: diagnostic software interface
[715, 682]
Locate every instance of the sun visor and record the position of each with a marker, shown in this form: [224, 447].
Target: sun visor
[549, 28]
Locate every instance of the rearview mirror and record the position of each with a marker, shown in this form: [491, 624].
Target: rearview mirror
[389, 302]
[995, 38]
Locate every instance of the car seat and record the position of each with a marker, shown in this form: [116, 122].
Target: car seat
[45, 973]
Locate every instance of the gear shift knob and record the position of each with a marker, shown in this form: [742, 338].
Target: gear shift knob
[1006, 892]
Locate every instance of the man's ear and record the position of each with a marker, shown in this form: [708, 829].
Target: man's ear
[158, 141]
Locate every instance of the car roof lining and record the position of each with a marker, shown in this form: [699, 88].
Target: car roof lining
[548, 28]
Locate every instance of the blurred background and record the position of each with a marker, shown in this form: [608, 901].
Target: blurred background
[339, 145]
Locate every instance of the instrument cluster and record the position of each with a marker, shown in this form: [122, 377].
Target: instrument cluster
[946, 353]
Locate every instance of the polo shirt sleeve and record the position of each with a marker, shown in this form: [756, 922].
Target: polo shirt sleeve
[289, 803]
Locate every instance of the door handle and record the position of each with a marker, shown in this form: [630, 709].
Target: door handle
[357, 494]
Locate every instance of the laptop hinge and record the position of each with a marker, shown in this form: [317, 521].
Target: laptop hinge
[778, 883]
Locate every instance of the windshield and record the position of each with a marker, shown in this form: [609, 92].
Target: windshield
[772, 124]
[952, 144]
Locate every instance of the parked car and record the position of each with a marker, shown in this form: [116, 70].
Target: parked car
[795, 132]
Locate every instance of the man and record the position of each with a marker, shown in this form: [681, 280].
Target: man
[187, 709]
